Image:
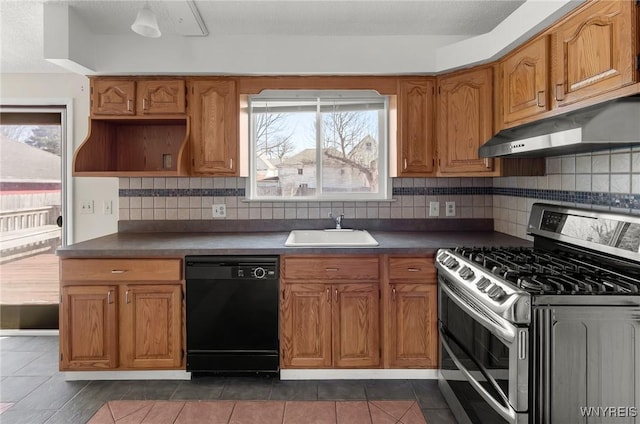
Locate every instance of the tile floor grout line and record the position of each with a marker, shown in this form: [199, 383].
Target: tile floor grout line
[184, 404]
[149, 411]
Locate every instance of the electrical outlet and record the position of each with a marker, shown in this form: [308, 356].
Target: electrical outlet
[219, 211]
[434, 208]
[450, 208]
[86, 206]
[107, 207]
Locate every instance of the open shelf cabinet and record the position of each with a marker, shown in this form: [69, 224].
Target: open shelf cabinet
[136, 146]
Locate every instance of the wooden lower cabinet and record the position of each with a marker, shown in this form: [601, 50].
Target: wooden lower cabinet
[121, 327]
[330, 312]
[330, 325]
[151, 326]
[120, 314]
[306, 326]
[89, 327]
[356, 333]
[410, 312]
[412, 320]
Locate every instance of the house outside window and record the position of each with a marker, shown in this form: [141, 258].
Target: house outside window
[318, 145]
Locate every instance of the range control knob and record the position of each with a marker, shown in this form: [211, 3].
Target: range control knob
[259, 272]
[497, 293]
[483, 283]
[450, 262]
[466, 273]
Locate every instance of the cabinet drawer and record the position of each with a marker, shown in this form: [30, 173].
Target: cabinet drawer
[417, 268]
[330, 268]
[121, 269]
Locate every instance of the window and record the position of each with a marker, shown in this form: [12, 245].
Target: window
[320, 145]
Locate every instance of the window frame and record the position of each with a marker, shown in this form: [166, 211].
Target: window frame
[384, 192]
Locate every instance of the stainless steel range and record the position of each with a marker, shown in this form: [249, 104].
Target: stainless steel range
[547, 334]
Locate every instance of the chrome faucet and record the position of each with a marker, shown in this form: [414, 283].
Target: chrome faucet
[338, 219]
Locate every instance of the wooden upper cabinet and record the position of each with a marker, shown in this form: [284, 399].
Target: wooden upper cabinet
[525, 81]
[416, 152]
[465, 122]
[113, 97]
[161, 97]
[593, 52]
[214, 136]
[137, 97]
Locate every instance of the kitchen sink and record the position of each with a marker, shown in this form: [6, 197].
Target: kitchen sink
[330, 238]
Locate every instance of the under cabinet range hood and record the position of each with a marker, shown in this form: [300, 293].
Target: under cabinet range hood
[607, 125]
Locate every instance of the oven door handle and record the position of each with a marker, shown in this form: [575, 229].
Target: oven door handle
[503, 330]
[505, 412]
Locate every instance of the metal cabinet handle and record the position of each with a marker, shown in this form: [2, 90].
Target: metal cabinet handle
[144, 103]
[414, 269]
[109, 300]
[487, 163]
[393, 294]
[126, 297]
[328, 295]
[230, 163]
[332, 269]
[118, 271]
[129, 102]
[541, 99]
[404, 166]
[558, 97]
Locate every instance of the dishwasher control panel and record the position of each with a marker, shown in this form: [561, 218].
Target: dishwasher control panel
[258, 272]
[231, 268]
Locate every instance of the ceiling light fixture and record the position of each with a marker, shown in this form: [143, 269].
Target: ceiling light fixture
[146, 23]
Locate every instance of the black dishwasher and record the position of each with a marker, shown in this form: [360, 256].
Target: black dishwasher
[232, 313]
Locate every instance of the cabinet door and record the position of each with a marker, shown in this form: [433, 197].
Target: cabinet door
[214, 139]
[593, 52]
[161, 96]
[412, 320]
[113, 97]
[416, 153]
[151, 326]
[465, 114]
[524, 82]
[89, 328]
[356, 330]
[305, 339]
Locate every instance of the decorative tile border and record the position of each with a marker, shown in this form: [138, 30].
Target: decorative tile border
[617, 200]
[181, 192]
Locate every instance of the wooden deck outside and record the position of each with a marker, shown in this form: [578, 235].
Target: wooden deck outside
[30, 281]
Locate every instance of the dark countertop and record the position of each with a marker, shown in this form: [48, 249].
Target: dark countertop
[179, 244]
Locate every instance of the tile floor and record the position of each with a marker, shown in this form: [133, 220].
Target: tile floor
[32, 391]
[260, 411]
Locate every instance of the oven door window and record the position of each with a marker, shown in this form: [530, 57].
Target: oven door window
[480, 352]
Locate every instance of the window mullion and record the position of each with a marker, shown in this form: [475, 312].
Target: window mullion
[319, 155]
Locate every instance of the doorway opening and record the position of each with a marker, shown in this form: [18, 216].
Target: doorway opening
[32, 152]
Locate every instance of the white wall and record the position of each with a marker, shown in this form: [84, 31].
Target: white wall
[42, 88]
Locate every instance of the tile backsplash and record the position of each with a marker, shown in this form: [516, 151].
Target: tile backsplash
[606, 180]
[192, 198]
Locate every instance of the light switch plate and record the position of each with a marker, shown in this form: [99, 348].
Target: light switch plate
[86, 206]
[450, 208]
[107, 207]
[434, 208]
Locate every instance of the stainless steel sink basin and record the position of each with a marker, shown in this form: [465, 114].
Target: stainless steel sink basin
[330, 238]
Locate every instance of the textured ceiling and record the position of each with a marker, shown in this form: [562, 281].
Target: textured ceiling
[21, 21]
